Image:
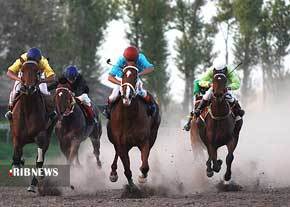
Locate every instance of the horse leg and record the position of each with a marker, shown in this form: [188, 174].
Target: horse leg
[145, 150]
[230, 157]
[73, 151]
[123, 154]
[114, 174]
[42, 143]
[96, 145]
[216, 163]
[17, 154]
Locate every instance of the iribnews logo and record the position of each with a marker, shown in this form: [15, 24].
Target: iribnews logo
[27, 172]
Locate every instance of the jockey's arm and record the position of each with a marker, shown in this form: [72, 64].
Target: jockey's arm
[234, 81]
[146, 71]
[13, 76]
[114, 80]
[206, 79]
[49, 79]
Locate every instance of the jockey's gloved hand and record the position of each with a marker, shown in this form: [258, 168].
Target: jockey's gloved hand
[197, 112]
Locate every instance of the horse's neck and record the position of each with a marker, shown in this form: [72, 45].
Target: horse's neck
[220, 108]
[34, 102]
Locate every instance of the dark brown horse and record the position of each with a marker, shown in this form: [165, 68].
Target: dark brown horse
[217, 129]
[30, 122]
[72, 127]
[130, 126]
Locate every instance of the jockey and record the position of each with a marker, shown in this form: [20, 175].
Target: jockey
[48, 76]
[206, 81]
[131, 56]
[80, 88]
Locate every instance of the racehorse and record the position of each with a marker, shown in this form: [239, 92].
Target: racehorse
[130, 126]
[30, 122]
[216, 128]
[72, 128]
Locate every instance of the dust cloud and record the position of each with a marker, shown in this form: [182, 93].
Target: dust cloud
[261, 157]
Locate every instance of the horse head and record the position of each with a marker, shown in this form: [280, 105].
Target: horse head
[30, 77]
[128, 85]
[64, 100]
[219, 86]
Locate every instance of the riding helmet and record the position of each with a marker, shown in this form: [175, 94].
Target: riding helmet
[34, 54]
[220, 69]
[71, 73]
[131, 53]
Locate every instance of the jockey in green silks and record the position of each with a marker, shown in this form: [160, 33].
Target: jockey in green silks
[205, 81]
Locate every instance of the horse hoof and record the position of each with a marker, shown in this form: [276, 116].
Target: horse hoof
[209, 174]
[99, 163]
[114, 178]
[31, 188]
[219, 162]
[142, 179]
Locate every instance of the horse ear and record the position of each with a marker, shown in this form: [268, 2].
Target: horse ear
[21, 60]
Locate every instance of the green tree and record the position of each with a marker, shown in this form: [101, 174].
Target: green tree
[247, 15]
[274, 38]
[26, 24]
[225, 18]
[84, 25]
[194, 47]
[148, 22]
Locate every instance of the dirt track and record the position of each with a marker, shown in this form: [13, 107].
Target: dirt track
[176, 177]
[274, 197]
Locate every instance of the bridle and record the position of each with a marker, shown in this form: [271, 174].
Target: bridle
[31, 89]
[222, 97]
[128, 84]
[71, 107]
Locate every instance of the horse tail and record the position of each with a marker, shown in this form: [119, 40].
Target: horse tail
[198, 147]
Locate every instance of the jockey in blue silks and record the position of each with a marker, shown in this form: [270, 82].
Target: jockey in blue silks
[131, 56]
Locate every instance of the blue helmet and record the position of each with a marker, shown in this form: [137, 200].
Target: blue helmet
[34, 54]
[71, 73]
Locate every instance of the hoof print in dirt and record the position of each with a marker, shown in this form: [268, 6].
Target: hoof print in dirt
[131, 192]
[45, 188]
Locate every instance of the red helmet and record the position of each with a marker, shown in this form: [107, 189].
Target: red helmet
[131, 53]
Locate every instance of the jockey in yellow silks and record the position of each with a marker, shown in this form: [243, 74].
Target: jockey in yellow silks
[14, 73]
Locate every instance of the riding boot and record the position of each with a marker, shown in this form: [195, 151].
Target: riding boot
[90, 113]
[8, 114]
[237, 110]
[151, 104]
[188, 124]
[203, 103]
[106, 109]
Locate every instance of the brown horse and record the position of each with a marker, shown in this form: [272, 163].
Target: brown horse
[130, 126]
[30, 122]
[216, 128]
[72, 127]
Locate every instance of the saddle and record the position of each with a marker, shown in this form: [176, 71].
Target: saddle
[206, 110]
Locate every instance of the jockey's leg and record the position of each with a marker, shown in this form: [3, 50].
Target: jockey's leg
[49, 102]
[112, 98]
[147, 97]
[237, 110]
[15, 91]
[203, 103]
[86, 103]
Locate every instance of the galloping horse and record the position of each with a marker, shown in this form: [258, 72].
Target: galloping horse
[130, 126]
[72, 127]
[216, 127]
[30, 122]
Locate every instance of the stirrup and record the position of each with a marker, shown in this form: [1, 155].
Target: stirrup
[187, 126]
[8, 115]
